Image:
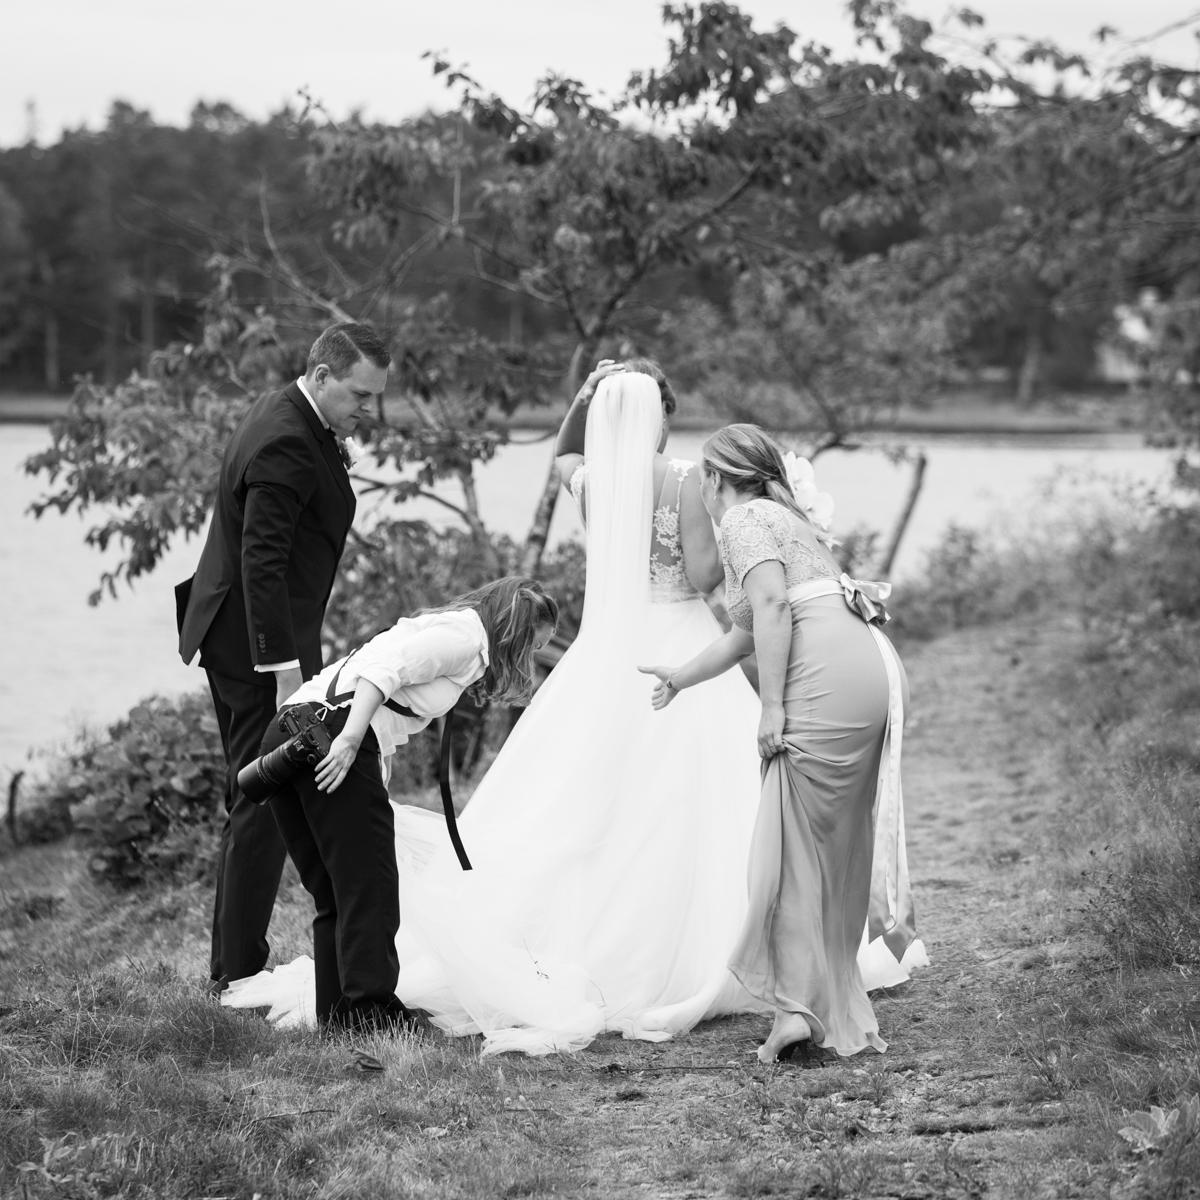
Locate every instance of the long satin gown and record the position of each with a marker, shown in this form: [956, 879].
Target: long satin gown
[821, 826]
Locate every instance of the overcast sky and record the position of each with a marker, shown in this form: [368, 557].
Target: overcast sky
[69, 59]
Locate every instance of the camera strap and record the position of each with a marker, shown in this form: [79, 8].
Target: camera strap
[334, 699]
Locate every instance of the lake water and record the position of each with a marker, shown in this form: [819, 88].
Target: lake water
[68, 666]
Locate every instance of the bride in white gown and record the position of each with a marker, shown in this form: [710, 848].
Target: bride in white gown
[609, 842]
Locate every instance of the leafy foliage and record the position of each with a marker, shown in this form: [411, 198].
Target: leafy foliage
[147, 795]
[814, 239]
[833, 347]
[146, 453]
[1155, 1129]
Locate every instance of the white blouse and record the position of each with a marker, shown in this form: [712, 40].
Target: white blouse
[424, 662]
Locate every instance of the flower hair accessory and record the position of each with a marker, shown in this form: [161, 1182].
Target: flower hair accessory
[816, 505]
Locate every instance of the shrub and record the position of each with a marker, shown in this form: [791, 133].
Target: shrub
[147, 796]
[1146, 900]
[1107, 555]
[961, 585]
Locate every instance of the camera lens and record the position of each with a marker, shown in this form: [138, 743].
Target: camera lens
[261, 779]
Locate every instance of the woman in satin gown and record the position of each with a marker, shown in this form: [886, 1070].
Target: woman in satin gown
[832, 693]
[609, 845]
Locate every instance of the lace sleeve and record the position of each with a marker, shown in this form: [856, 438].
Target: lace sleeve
[747, 539]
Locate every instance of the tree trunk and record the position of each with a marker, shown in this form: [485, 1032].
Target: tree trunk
[910, 502]
[149, 335]
[51, 342]
[1031, 367]
[14, 785]
[479, 532]
[111, 323]
[108, 274]
[52, 361]
[539, 531]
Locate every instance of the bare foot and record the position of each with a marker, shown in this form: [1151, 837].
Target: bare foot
[789, 1028]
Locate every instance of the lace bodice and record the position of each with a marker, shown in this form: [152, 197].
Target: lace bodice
[668, 579]
[761, 531]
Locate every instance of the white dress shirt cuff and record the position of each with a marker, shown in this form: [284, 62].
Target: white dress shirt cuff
[284, 666]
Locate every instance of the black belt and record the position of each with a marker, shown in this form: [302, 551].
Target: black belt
[334, 700]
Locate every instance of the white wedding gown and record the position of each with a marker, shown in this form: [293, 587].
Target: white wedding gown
[609, 842]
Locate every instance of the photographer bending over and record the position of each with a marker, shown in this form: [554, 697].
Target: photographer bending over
[336, 820]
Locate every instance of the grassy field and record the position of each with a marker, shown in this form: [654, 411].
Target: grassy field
[1015, 1059]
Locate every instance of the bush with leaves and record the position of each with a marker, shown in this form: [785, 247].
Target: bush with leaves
[146, 797]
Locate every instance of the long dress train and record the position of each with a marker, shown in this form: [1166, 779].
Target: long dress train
[609, 842]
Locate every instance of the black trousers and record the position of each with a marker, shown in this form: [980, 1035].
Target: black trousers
[251, 854]
[343, 846]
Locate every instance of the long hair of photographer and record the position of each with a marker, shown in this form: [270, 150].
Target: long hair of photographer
[511, 610]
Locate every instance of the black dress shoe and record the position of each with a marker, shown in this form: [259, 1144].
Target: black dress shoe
[373, 1018]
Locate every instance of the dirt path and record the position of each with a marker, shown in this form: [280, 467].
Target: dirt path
[967, 1102]
[964, 1102]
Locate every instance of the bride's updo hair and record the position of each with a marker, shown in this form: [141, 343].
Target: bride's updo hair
[622, 392]
[648, 366]
[750, 460]
[511, 610]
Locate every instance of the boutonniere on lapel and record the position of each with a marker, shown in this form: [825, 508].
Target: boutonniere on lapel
[351, 451]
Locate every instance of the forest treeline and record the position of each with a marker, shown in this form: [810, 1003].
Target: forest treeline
[1017, 216]
[806, 239]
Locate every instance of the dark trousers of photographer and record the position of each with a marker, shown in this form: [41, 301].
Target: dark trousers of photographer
[343, 846]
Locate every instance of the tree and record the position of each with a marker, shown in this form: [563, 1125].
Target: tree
[16, 268]
[583, 213]
[849, 220]
[1061, 216]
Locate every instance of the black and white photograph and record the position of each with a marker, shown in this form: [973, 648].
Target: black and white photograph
[602, 600]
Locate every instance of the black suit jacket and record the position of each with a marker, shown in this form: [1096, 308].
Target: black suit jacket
[283, 509]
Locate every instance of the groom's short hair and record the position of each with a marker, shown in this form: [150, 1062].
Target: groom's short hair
[647, 366]
[340, 346]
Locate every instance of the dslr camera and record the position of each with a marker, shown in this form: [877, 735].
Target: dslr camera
[308, 743]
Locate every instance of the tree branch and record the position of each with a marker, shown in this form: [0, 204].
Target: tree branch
[290, 274]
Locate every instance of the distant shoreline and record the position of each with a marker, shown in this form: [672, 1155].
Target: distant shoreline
[971, 415]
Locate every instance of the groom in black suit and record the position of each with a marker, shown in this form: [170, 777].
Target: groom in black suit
[255, 605]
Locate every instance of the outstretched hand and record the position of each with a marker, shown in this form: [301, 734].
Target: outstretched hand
[662, 695]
